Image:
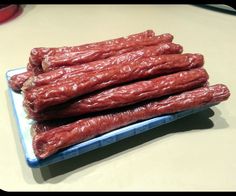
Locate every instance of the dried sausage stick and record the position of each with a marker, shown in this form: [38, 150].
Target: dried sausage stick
[37, 54]
[120, 45]
[16, 82]
[83, 56]
[131, 58]
[49, 142]
[43, 97]
[128, 94]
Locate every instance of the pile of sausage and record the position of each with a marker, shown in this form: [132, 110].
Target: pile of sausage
[79, 92]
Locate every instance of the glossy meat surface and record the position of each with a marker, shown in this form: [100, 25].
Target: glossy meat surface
[45, 96]
[127, 94]
[16, 82]
[64, 73]
[49, 142]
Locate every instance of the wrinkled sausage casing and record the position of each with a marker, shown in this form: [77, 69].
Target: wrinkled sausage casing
[64, 73]
[127, 94]
[49, 142]
[16, 82]
[91, 52]
[88, 52]
[37, 54]
[76, 93]
[40, 98]
[67, 59]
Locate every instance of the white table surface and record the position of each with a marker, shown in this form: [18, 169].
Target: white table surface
[198, 153]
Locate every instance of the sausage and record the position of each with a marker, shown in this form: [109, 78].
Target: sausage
[16, 81]
[127, 94]
[43, 97]
[37, 54]
[83, 56]
[49, 142]
[131, 58]
[95, 51]
[53, 94]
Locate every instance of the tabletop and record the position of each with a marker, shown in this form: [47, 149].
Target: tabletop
[193, 153]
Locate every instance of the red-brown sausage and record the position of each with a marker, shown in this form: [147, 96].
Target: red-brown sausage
[43, 97]
[127, 94]
[16, 82]
[131, 58]
[49, 142]
[83, 56]
[94, 51]
[37, 54]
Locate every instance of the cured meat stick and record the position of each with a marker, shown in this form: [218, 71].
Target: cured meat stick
[95, 51]
[67, 59]
[131, 58]
[49, 142]
[16, 82]
[43, 97]
[128, 94]
[37, 54]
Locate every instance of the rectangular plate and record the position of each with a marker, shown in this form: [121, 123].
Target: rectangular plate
[24, 126]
